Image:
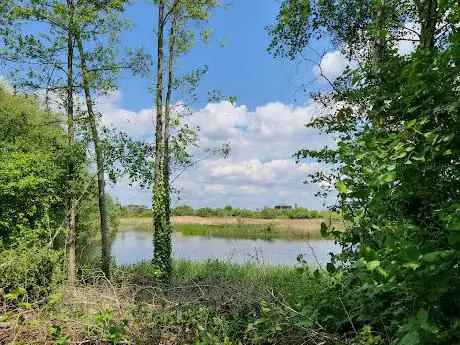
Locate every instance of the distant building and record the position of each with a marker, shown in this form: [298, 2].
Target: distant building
[283, 207]
[132, 207]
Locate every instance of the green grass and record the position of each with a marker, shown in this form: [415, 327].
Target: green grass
[263, 231]
[233, 227]
[205, 303]
[219, 281]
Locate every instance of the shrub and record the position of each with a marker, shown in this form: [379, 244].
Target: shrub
[205, 212]
[182, 210]
[33, 269]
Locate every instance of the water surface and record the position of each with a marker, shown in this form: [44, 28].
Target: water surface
[134, 246]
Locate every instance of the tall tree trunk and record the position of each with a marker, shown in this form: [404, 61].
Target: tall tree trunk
[378, 48]
[105, 259]
[166, 171]
[71, 203]
[428, 16]
[162, 239]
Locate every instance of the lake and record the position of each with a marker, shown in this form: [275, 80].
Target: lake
[133, 246]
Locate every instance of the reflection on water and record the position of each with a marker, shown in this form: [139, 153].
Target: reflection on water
[130, 247]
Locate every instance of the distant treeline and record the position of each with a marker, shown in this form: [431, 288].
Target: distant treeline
[229, 211]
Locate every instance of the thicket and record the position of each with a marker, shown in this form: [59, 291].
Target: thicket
[396, 163]
[33, 193]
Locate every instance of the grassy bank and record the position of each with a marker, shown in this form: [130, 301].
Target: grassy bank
[262, 231]
[206, 303]
[229, 211]
[233, 227]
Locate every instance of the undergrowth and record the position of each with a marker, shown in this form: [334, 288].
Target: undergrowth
[205, 303]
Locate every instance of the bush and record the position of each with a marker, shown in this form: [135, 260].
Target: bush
[32, 187]
[205, 212]
[183, 210]
[33, 269]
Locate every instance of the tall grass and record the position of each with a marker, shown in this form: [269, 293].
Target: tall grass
[263, 231]
[232, 227]
[218, 279]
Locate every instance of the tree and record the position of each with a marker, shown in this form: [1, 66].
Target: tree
[178, 14]
[41, 66]
[105, 258]
[162, 245]
[53, 53]
[72, 234]
[97, 23]
[395, 167]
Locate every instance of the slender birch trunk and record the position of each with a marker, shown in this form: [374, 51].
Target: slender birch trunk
[105, 259]
[379, 41]
[71, 236]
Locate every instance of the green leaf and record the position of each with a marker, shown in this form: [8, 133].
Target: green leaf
[430, 137]
[411, 338]
[439, 255]
[388, 177]
[368, 253]
[453, 223]
[448, 137]
[372, 265]
[25, 305]
[341, 187]
[454, 238]
[330, 267]
[317, 274]
[412, 265]
[411, 253]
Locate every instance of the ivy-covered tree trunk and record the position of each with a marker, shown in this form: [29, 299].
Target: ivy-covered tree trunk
[162, 232]
[71, 236]
[105, 258]
[166, 171]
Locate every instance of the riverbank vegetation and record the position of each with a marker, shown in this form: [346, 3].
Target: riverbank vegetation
[263, 231]
[234, 227]
[394, 167]
[229, 211]
[206, 303]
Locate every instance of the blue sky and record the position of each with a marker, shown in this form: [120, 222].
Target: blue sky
[242, 67]
[264, 129]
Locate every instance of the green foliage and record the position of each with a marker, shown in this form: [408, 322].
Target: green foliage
[32, 185]
[266, 213]
[55, 334]
[126, 212]
[115, 331]
[88, 223]
[221, 299]
[241, 230]
[395, 166]
[32, 270]
[184, 210]
[34, 180]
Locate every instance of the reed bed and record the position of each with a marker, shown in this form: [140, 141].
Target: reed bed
[235, 227]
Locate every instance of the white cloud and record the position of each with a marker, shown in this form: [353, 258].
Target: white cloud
[334, 63]
[137, 124]
[260, 170]
[331, 66]
[410, 38]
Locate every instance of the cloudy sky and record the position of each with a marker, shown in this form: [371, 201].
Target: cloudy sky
[265, 128]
